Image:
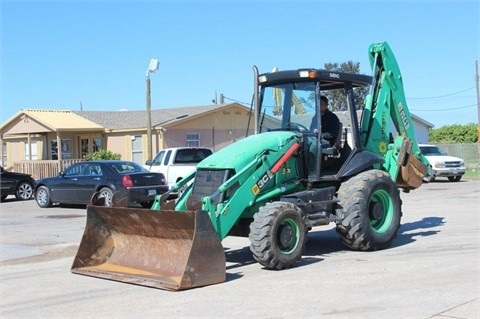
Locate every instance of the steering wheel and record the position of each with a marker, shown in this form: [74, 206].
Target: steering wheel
[297, 127]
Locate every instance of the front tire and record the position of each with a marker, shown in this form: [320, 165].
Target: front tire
[278, 235]
[454, 178]
[372, 208]
[24, 191]
[43, 197]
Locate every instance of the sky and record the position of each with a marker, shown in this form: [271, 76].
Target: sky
[94, 55]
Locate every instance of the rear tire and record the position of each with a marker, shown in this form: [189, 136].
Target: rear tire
[108, 194]
[454, 178]
[278, 235]
[43, 197]
[372, 208]
[24, 191]
[147, 204]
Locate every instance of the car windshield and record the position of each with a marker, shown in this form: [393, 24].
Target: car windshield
[431, 151]
[191, 155]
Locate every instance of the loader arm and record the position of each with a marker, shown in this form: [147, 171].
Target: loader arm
[386, 104]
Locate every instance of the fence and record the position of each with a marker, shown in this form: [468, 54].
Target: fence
[470, 152]
[43, 168]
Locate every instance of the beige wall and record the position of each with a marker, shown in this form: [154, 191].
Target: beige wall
[216, 130]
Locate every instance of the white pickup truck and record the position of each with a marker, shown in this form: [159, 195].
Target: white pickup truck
[175, 163]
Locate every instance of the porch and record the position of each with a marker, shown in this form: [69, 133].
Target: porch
[43, 168]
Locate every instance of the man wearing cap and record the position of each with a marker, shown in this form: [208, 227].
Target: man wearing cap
[330, 122]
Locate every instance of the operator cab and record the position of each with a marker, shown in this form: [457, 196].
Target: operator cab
[289, 101]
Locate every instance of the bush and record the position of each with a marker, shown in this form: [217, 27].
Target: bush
[456, 133]
[103, 155]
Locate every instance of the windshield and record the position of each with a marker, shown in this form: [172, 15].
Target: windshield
[288, 106]
[431, 151]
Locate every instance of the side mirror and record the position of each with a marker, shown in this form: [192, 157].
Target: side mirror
[148, 162]
[61, 173]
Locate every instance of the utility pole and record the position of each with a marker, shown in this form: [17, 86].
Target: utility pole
[477, 80]
[153, 66]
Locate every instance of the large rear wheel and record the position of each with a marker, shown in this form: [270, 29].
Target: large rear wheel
[278, 235]
[372, 208]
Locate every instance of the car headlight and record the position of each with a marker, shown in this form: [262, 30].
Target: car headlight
[439, 165]
[462, 163]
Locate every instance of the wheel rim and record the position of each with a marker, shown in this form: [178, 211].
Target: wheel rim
[42, 197]
[381, 211]
[287, 236]
[25, 191]
[108, 197]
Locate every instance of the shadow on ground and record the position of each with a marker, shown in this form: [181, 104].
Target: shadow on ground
[321, 243]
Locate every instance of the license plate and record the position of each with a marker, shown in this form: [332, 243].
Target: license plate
[152, 192]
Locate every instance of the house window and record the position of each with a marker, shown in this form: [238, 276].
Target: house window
[4, 155]
[193, 140]
[137, 152]
[97, 144]
[33, 147]
[84, 147]
[66, 149]
[85, 142]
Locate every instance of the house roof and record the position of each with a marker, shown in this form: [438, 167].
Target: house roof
[60, 120]
[122, 120]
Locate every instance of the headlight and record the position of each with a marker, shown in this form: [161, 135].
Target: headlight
[439, 165]
[462, 163]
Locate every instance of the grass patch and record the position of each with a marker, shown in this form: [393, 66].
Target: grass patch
[472, 173]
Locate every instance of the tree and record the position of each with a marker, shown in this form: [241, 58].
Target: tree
[337, 99]
[455, 133]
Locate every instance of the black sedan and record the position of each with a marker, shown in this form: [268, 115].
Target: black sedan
[18, 184]
[80, 181]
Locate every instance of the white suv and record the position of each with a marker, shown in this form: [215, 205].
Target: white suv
[442, 165]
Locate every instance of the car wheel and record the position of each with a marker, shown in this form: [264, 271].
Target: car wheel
[43, 197]
[147, 204]
[24, 191]
[454, 178]
[108, 194]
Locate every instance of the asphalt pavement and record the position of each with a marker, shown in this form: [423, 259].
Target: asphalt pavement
[431, 271]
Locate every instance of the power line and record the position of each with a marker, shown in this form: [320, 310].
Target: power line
[244, 103]
[449, 109]
[440, 96]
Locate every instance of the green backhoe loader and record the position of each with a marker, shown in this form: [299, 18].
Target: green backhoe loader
[273, 186]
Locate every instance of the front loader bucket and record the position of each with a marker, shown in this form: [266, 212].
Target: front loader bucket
[162, 249]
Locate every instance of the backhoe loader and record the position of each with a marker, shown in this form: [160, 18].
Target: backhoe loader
[272, 186]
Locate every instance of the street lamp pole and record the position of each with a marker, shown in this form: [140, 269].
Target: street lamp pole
[153, 66]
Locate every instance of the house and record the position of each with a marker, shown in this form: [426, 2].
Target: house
[420, 126]
[36, 134]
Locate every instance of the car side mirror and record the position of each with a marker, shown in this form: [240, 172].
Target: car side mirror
[148, 162]
[61, 173]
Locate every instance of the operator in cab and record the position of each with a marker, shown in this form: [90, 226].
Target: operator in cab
[330, 122]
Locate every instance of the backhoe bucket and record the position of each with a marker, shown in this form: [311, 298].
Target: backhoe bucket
[161, 249]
